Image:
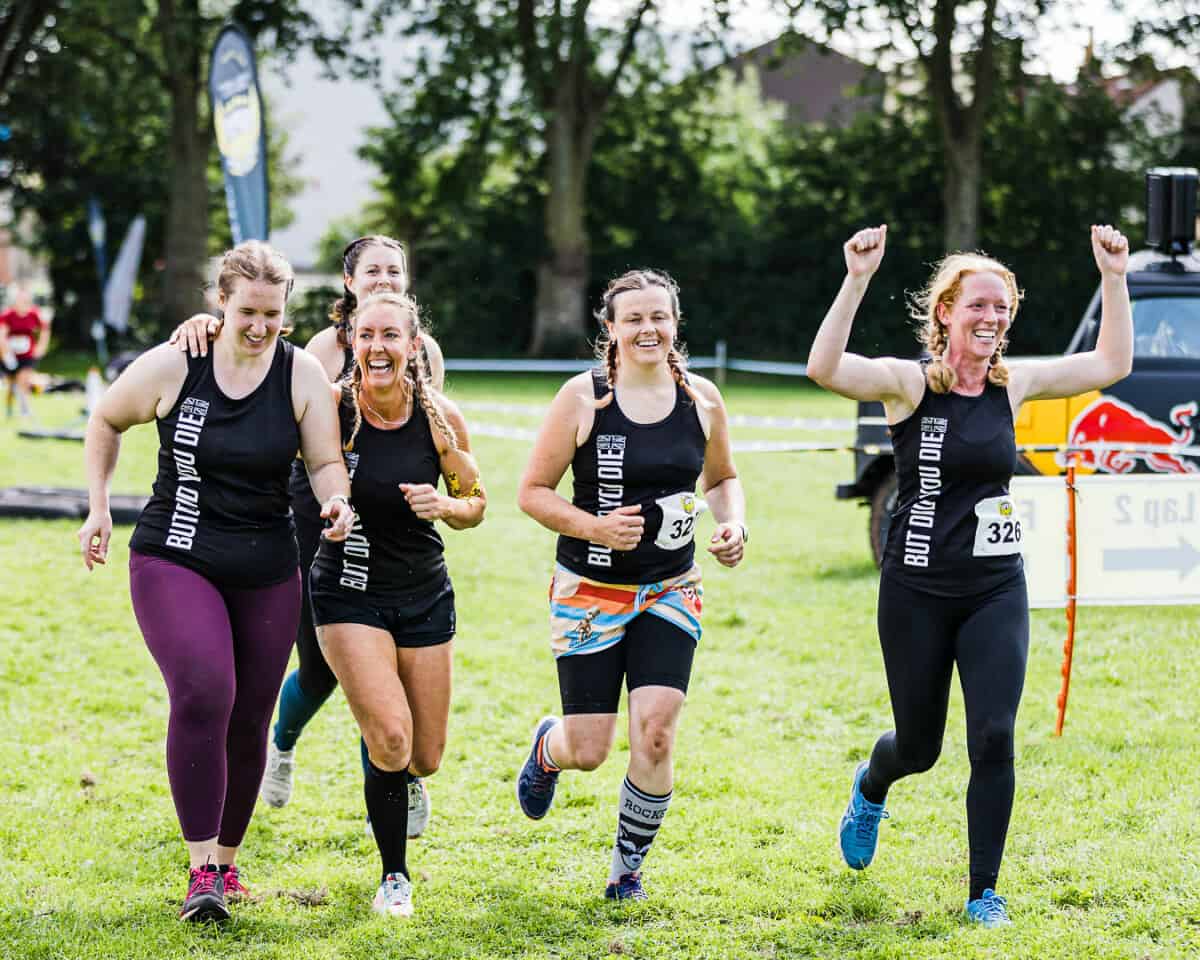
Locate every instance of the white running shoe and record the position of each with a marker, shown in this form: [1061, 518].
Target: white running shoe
[394, 896]
[418, 811]
[276, 788]
[418, 807]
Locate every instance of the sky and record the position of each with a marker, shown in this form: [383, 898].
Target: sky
[326, 119]
[1058, 50]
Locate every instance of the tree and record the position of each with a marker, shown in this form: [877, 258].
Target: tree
[559, 66]
[1168, 24]
[86, 123]
[21, 23]
[79, 109]
[185, 31]
[486, 64]
[167, 44]
[749, 213]
[955, 44]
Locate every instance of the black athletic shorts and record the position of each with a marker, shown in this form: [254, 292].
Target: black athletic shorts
[653, 652]
[23, 363]
[423, 624]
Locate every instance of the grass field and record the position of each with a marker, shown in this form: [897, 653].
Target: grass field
[788, 692]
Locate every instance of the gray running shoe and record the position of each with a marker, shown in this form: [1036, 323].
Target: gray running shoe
[276, 788]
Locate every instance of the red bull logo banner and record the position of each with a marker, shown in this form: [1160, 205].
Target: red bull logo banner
[1112, 421]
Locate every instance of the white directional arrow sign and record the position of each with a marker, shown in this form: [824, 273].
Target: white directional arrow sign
[1181, 559]
[1138, 539]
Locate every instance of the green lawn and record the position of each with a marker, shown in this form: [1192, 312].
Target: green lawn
[788, 692]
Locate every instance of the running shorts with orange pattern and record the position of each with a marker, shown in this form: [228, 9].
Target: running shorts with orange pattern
[587, 616]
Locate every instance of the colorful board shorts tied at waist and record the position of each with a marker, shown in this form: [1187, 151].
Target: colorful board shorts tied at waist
[587, 616]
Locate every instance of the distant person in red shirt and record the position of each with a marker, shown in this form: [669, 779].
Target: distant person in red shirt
[24, 339]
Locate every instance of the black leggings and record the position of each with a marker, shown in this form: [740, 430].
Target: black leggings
[316, 679]
[923, 637]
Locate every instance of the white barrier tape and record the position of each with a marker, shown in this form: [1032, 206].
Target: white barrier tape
[505, 433]
[790, 423]
[765, 366]
[735, 420]
[520, 409]
[875, 449]
[871, 449]
[548, 366]
[1178, 450]
[791, 446]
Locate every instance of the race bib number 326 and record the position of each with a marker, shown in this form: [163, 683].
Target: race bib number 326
[997, 528]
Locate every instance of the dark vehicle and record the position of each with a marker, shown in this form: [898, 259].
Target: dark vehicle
[1157, 405]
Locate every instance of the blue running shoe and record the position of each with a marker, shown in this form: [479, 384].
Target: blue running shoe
[859, 831]
[629, 887]
[535, 784]
[991, 910]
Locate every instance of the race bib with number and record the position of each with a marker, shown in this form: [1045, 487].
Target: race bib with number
[679, 511]
[998, 528]
[20, 343]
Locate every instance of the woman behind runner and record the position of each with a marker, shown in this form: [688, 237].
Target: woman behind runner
[382, 601]
[214, 577]
[370, 264]
[626, 594]
[952, 586]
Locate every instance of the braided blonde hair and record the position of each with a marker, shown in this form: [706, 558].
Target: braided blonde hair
[417, 373]
[944, 288]
[351, 387]
[606, 347]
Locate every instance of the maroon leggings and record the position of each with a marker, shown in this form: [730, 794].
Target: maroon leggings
[222, 652]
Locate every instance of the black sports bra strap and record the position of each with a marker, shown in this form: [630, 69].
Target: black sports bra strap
[599, 383]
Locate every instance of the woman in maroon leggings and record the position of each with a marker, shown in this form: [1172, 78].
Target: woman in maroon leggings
[214, 575]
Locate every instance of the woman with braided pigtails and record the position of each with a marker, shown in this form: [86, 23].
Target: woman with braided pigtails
[625, 600]
[382, 602]
[952, 586]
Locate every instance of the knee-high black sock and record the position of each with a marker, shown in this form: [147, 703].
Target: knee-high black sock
[386, 793]
[639, 815]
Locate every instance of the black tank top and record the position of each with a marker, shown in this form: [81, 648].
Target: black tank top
[390, 556]
[304, 502]
[955, 456]
[220, 504]
[624, 463]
